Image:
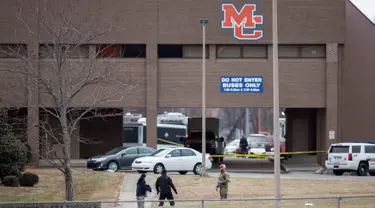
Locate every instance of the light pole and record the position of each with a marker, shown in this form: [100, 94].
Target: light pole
[276, 107]
[203, 22]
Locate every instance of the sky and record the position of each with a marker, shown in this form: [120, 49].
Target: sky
[367, 7]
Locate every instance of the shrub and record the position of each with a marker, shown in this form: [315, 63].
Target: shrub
[11, 181]
[29, 179]
[13, 156]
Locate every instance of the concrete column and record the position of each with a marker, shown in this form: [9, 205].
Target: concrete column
[33, 102]
[151, 93]
[332, 67]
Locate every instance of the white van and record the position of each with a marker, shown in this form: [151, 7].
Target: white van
[351, 157]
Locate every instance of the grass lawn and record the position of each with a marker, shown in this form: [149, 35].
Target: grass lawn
[193, 187]
[89, 185]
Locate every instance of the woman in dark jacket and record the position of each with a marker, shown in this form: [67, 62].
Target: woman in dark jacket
[142, 187]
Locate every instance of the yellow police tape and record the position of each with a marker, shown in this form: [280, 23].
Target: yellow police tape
[250, 155]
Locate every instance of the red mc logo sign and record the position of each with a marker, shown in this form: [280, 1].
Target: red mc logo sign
[239, 21]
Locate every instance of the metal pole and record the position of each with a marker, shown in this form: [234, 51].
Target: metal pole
[276, 107]
[339, 202]
[247, 123]
[204, 21]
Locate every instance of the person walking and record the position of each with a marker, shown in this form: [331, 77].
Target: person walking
[223, 181]
[244, 145]
[141, 190]
[163, 186]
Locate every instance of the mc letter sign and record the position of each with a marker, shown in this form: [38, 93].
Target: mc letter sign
[244, 19]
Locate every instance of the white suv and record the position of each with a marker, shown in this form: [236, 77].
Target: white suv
[351, 157]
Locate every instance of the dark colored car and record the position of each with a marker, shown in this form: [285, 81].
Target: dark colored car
[269, 144]
[118, 158]
[214, 145]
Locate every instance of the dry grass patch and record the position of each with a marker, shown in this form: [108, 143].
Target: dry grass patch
[89, 185]
[193, 187]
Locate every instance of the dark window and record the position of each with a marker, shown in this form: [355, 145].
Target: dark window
[302, 51]
[121, 51]
[131, 151]
[339, 149]
[369, 149]
[170, 51]
[170, 134]
[242, 51]
[356, 149]
[144, 150]
[175, 153]
[194, 51]
[130, 134]
[63, 51]
[13, 50]
[187, 152]
[134, 51]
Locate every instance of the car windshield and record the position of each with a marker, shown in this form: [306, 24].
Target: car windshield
[115, 150]
[257, 139]
[233, 143]
[159, 153]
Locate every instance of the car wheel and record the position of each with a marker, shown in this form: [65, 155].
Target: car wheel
[338, 172]
[372, 173]
[183, 172]
[221, 159]
[216, 159]
[158, 168]
[197, 169]
[139, 171]
[113, 166]
[362, 169]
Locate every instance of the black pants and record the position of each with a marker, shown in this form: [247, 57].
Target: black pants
[168, 196]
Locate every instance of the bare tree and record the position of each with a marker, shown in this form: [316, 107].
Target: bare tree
[66, 72]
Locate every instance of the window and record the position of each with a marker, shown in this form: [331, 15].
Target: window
[356, 149]
[144, 151]
[187, 152]
[121, 51]
[65, 51]
[170, 51]
[130, 134]
[228, 51]
[313, 51]
[255, 51]
[302, 51]
[288, 51]
[241, 51]
[339, 149]
[370, 149]
[194, 51]
[13, 50]
[73, 51]
[175, 153]
[131, 151]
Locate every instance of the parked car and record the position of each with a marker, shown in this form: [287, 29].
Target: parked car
[269, 144]
[256, 144]
[175, 159]
[351, 157]
[232, 147]
[118, 158]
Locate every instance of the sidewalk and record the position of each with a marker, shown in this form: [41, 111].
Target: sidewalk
[129, 186]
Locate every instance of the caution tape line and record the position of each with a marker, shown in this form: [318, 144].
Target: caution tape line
[169, 142]
[249, 155]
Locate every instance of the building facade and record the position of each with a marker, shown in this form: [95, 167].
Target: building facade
[158, 45]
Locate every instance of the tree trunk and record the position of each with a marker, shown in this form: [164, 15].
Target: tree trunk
[69, 188]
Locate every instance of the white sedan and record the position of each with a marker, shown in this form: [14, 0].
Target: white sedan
[174, 159]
